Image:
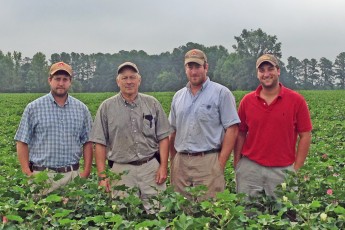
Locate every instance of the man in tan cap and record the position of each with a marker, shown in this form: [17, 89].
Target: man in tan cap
[205, 122]
[273, 119]
[129, 129]
[54, 132]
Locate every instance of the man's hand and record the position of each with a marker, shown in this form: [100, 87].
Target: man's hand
[105, 183]
[85, 174]
[161, 174]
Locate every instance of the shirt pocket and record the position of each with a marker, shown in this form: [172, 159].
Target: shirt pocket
[208, 112]
[149, 126]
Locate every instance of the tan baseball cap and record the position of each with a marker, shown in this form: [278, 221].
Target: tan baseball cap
[60, 66]
[267, 58]
[196, 56]
[127, 64]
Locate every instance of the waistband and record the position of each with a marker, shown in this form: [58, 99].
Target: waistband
[200, 153]
[138, 162]
[58, 170]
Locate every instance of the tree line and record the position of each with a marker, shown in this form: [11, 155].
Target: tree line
[165, 72]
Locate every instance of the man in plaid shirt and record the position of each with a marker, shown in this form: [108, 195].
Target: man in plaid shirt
[54, 132]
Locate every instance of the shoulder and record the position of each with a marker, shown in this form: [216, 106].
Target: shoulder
[292, 94]
[216, 87]
[110, 100]
[147, 97]
[248, 97]
[37, 103]
[180, 92]
[76, 102]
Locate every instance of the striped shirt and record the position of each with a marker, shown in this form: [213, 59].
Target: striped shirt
[54, 134]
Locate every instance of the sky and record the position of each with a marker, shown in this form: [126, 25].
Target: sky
[306, 28]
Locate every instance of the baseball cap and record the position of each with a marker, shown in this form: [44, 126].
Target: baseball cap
[196, 56]
[60, 66]
[267, 58]
[127, 64]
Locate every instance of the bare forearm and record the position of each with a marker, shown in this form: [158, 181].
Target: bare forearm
[171, 145]
[238, 147]
[164, 151]
[228, 144]
[302, 149]
[87, 153]
[23, 157]
[100, 157]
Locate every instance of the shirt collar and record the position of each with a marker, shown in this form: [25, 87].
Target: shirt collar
[134, 103]
[281, 92]
[52, 99]
[204, 85]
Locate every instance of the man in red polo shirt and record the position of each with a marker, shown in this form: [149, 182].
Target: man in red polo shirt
[273, 119]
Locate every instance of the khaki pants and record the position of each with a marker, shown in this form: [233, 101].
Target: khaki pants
[141, 176]
[191, 171]
[67, 177]
[254, 179]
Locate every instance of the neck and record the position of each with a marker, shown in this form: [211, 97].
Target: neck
[60, 100]
[271, 91]
[130, 97]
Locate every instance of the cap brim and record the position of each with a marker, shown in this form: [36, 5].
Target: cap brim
[269, 61]
[196, 60]
[53, 72]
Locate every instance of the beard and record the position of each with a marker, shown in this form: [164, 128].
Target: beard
[59, 92]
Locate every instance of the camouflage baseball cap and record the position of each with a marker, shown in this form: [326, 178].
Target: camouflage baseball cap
[267, 58]
[196, 56]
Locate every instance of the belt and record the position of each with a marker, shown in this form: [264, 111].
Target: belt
[200, 153]
[141, 162]
[58, 170]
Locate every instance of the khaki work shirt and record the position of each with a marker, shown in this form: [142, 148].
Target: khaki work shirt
[131, 131]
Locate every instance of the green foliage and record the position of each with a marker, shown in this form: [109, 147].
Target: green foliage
[165, 72]
[311, 199]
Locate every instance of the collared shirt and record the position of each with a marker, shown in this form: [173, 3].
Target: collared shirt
[54, 134]
[131, 131]
[272, 129]
[200, 120]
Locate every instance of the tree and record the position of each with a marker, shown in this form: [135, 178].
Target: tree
[255, 43]
[313, 72]
[239, 68]
[326, 73]
[166, 81]
[6, 72]
[294, 68]
[37, 79]
[339, 69]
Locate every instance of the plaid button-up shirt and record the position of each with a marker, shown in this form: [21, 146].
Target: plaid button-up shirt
[55, 134]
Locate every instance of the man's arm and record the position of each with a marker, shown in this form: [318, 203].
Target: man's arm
[171, 145]
[238, 147]
[100, 157]
[87, 154]
[162, 172]
[228, 144]
[23, 157]
[302, 149]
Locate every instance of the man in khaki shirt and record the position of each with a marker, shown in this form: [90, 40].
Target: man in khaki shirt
[133, 126]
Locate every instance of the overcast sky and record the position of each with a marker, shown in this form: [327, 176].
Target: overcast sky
[306, 28]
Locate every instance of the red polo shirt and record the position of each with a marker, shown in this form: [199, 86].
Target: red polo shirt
[272, 130]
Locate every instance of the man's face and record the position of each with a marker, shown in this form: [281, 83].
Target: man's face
[128, 82]
[268, 75]
[59, 84]
[196, 73]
